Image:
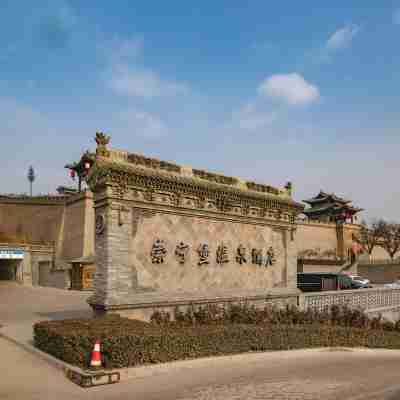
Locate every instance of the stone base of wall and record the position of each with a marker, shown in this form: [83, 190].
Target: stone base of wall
[142, 305]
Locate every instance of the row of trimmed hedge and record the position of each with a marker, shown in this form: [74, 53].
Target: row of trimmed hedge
[243, 313]
[126, 342]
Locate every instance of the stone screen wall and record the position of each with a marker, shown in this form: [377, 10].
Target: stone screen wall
[193, 231]
[152, 218]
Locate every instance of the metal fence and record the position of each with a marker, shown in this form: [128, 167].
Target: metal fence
[366, 299]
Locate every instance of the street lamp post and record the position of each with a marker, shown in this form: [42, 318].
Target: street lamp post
[80, 169]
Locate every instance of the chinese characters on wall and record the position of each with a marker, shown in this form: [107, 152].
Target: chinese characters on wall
[262, 257]
[222, 254]
[158, 252]
[181, 251]
[203, 254]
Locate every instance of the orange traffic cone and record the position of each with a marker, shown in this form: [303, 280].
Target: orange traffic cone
[96, 355]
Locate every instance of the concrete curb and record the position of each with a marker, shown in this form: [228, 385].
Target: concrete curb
[77, 375]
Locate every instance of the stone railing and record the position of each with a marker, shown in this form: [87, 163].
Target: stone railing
[396, 261]
[367, 299]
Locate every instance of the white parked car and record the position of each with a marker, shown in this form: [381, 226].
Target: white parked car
[394, 285]
[358, 278]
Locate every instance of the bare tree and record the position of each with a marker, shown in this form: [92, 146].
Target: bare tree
[390, 237]
[31, 177]
[369, 236]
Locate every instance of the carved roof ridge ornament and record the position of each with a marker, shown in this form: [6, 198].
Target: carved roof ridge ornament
[107, 172]
[159, 166]
[153, 163]
[140, 160]
[126, 167]
[102, 141]
[211, 176]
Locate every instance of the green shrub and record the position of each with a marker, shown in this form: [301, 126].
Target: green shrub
[243, 313]
[126, 342]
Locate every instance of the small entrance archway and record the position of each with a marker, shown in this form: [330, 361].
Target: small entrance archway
[11, 264]
[10, 270]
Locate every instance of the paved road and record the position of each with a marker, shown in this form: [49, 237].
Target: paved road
[22, 306]
[19, 304]
[305, 375]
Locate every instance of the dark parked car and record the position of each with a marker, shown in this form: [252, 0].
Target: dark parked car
[320, 281]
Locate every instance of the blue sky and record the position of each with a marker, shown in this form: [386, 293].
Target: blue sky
[270, 91]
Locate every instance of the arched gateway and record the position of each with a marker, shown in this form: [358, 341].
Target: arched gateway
[170, 235]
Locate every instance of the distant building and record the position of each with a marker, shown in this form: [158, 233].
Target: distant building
[327, 207]
[47, 240]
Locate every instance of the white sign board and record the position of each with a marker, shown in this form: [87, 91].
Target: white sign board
[11, 254]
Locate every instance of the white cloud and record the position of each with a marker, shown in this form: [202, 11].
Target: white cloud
[342, 37]
[142, 123]
[396, 17]
[140, 82]
[127, 76]
[250, 118]
[117, 50]
[291, 88]
[338, 41]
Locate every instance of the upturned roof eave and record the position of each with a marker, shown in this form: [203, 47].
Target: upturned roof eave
[323, 196]
[334, 210]
[102, 162]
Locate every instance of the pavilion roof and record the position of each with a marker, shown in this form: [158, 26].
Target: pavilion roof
[323, 197]
[332, 208]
